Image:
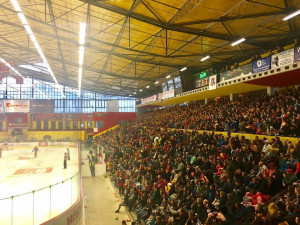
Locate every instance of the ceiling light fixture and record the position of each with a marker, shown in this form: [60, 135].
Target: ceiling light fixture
[168, 76]
[156, 82]
[16, 5]
[148, 86]
[81, 54]
[33, 39]
[141, 89]
[238, 41]
[205, 58]
[134, 93]
[183, 69]
[291, 15]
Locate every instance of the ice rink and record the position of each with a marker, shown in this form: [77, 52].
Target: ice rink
[50, 189]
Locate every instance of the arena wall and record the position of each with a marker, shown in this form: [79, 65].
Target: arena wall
[247, 136]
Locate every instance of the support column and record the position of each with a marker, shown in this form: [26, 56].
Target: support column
[206, 101]
[272, 90]
[232, 96]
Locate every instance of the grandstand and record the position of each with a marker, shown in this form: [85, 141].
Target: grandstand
[153, 112]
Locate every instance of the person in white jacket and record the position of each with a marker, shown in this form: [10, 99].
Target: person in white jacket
[267, 147]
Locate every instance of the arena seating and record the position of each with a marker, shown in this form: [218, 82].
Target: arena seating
[178, 177]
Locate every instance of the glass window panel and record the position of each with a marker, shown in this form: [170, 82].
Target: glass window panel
[5, 211]
[41, 205]
[57, 205]
[170, 85]
[164, 87]
[22, 207]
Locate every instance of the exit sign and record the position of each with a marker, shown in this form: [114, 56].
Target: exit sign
[202, 75]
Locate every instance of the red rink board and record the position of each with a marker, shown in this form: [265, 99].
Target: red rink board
[33, 171]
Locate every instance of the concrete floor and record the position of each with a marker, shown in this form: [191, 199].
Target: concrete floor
[102, 202]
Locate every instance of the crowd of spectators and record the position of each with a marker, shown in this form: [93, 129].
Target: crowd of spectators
[256, 114]
[177, 177]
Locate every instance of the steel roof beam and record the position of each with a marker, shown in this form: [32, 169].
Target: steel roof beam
[225, 18]
[56, 33]
[102, 50]
[157, 23]
[75, 64]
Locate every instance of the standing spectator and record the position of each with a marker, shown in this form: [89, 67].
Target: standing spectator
[91, 164]
[65, 160]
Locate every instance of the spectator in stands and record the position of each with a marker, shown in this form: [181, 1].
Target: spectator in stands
[279, 48]
[175, 174]
[296, 42]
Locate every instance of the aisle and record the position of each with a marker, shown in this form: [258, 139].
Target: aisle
[102, 202]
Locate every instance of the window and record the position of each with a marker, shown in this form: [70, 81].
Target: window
[46, 125]
[18, 120]
[88, 102]
[75, 125]
[60, 125]
[38, 125]
[68, 125]
[89, 124]
[99, 124]
[53, 125]
[164, 87]
[177, 82]
[127, 105]
[170, 85]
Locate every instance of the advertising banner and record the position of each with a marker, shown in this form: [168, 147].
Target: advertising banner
[47, 117]
[159, 96]
[12, 106]
[42, 106]
[262, 65]
[1, 106]
[297, 54]
[149, 99]
[213, 82]
[168, 94]
[282, 58]
[236, 72]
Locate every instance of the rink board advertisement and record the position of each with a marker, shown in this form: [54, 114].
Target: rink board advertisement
[44, 144]
[70, 217]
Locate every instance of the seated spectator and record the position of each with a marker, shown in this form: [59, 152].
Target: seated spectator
[289, 178]
[183, 177]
